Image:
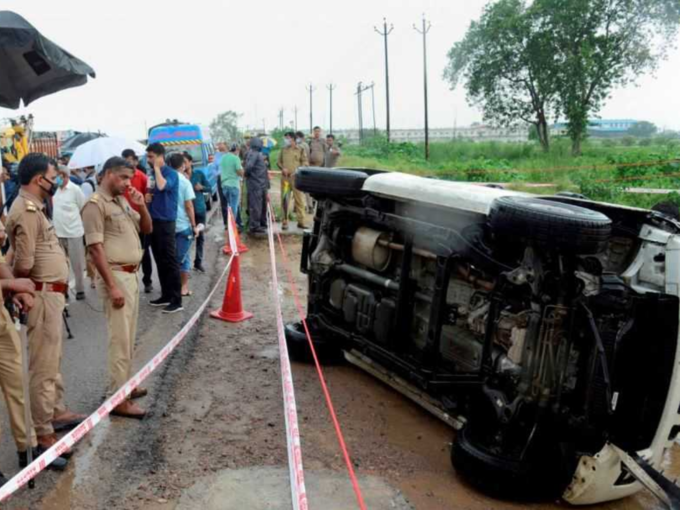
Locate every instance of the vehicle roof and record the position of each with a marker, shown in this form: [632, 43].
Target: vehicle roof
[449, 194]
[178, 133]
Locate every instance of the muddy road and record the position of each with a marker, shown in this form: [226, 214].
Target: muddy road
[215, 437]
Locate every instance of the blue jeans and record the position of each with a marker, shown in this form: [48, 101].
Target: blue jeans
[183, 241]
[233, 198]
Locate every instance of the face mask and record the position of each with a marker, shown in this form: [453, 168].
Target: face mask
[52, 189]
[299, 140]
[286, 142]
[60, 181]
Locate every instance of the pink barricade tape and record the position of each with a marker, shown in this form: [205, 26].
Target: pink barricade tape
[70, 439]
[297, 476]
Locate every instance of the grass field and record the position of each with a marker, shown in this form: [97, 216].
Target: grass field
[604, 171]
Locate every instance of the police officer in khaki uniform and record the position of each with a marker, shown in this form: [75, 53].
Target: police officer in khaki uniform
[317, 148]
[112, 230]
[38, 256]
[11, 377]
[291, 157]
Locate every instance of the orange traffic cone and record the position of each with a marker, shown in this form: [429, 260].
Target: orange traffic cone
[241, 248]
[232, 308]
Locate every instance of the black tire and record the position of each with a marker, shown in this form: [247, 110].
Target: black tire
[549, 224]
[298, 346]
[530, 479]
[330, 182]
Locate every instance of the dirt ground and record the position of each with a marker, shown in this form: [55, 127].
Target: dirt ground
[224, 411]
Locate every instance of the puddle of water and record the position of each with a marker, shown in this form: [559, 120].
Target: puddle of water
[61, 496]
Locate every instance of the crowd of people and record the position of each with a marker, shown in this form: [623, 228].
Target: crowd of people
[248, 166]
[107, 223]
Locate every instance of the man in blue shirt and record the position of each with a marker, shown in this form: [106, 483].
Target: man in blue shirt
[163, 196]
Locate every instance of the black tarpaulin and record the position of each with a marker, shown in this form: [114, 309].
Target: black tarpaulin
[32, 66]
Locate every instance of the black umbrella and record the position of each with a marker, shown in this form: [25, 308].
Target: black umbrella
[32, 66]
[77, 140]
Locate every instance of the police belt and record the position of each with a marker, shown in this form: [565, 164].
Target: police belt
[128, 268]
[58, 287]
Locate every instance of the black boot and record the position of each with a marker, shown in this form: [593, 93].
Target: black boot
[3, 480]
[59, 464]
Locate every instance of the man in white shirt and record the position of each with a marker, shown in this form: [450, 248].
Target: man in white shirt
[68, 225]
[89, 185]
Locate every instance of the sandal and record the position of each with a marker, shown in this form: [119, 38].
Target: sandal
[188, 294]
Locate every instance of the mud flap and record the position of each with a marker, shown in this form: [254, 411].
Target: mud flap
[653, 480]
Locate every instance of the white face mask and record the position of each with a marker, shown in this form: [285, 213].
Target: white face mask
[299, 140]
[286, 142]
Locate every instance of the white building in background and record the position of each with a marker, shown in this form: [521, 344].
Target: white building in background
[476, 132]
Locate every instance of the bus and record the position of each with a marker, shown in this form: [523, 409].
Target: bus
[192, 138]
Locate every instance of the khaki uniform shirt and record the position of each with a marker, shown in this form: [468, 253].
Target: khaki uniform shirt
[113, 223]
[2, 298]
[292, 158]
[35, 243]
[317, 152]
[305, 148]
[332, 156]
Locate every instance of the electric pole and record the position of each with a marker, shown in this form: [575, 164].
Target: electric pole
[281, 119]
[296, 118]
[331, 88]
[361, 124]
[375, 129]
[311, 90]
[426, 28]
[360, 90]
[385, 32]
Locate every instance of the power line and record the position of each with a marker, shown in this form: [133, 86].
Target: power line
[426, 28]
[385, 32]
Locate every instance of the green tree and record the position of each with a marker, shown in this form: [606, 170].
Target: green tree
[224, 127]
[505, 61]
[642, 129]
[602, 44]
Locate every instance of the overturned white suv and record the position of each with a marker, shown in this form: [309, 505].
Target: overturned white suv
[545, 329]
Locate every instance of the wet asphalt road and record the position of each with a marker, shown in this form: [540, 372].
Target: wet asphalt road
[84, 367]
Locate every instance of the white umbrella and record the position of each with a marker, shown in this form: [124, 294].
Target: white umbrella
[97, 151]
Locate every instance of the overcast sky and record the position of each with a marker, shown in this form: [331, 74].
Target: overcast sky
[191, 60]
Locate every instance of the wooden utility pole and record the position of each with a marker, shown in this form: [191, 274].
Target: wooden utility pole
[331, 88]
[385, 32]
[426, 28]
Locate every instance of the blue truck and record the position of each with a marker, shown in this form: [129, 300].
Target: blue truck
[194, 139]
